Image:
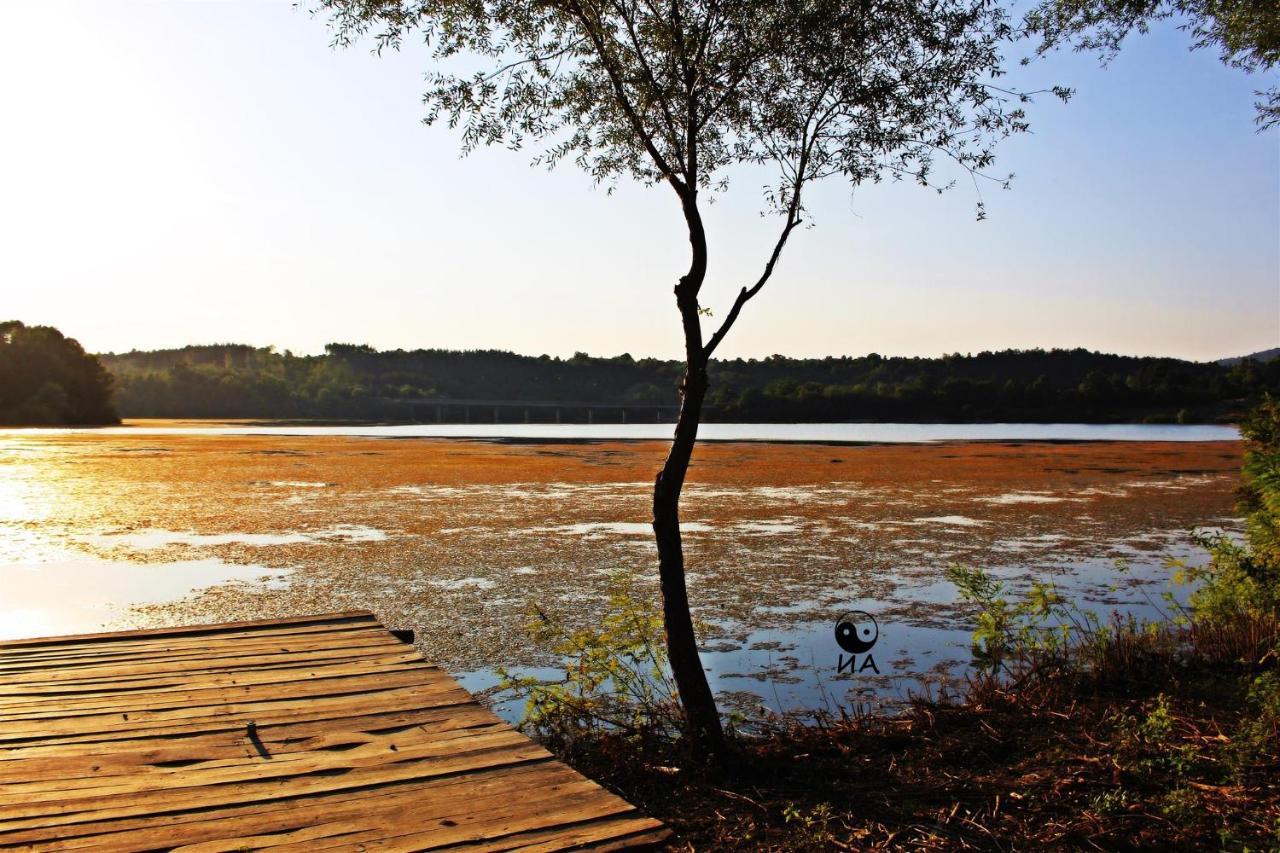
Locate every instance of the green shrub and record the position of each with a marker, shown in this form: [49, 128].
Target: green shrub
[1014, 634]
[1257, 737]
[616, 676]
[1246, 578]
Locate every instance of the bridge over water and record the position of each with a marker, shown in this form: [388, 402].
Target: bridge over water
[453, 410]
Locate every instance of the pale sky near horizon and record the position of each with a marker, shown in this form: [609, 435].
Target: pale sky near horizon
[198, 172]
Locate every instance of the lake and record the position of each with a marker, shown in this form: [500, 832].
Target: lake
[841, 432]
[165, 523]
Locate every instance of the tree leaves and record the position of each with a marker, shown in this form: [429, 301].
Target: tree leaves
[681, 92]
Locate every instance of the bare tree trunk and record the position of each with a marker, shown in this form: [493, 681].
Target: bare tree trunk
[702, 717]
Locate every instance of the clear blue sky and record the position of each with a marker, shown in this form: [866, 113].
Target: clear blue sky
[193, 172]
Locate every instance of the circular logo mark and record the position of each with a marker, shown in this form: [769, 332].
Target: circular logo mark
[857, 632]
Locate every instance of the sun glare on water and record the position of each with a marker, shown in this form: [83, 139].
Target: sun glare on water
[48, 586]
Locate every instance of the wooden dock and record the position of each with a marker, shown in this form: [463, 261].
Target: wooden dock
[315, 733]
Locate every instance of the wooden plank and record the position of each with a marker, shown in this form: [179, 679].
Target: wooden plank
[144, 682]
[505, 830]
[119, 679]
[185, 638]
[61, 774]
[283, 642]
[276, 644]
[490, 821]
[140, 757]
[333, 708]
[224, 629]
[142, 740]
[178, 694]
[430, 801]
[102, 789]
[246, 706]
[79, 809]
[274, 737]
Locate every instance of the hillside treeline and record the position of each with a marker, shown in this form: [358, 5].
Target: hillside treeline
[358, 382]
[48, 379]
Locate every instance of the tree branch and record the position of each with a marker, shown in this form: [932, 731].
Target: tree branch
[745, 294]
[672, 131]
[533, 60]
[807, 139]
[620, 92]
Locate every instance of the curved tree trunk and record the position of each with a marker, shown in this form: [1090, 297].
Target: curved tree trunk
[702, 716]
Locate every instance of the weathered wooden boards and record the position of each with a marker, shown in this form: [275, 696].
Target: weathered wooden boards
[315, 733]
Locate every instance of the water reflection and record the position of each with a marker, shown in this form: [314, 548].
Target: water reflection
[923, 648]
[74, 594]
[144, 540]
[838, 432]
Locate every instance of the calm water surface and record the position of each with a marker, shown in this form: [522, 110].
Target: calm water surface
[842, 432]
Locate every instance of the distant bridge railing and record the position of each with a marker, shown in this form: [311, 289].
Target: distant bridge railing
[453, 410]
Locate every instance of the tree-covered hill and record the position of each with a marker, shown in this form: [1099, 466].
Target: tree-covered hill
[1262, 355]
[350, 381]
[48, 379]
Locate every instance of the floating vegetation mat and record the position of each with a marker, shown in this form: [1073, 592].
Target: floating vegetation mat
[456, 539]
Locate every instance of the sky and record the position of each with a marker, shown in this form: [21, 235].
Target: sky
[196, 172]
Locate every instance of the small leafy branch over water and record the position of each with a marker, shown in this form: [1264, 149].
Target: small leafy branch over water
[616, 676]
[1074, 732]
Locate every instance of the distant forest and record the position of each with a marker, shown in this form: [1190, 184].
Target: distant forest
[360, 383]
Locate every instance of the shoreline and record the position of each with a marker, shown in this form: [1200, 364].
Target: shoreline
[852, 434]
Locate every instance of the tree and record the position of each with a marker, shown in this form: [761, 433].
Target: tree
[47, 378]
[1245, 32]
[680, 92]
